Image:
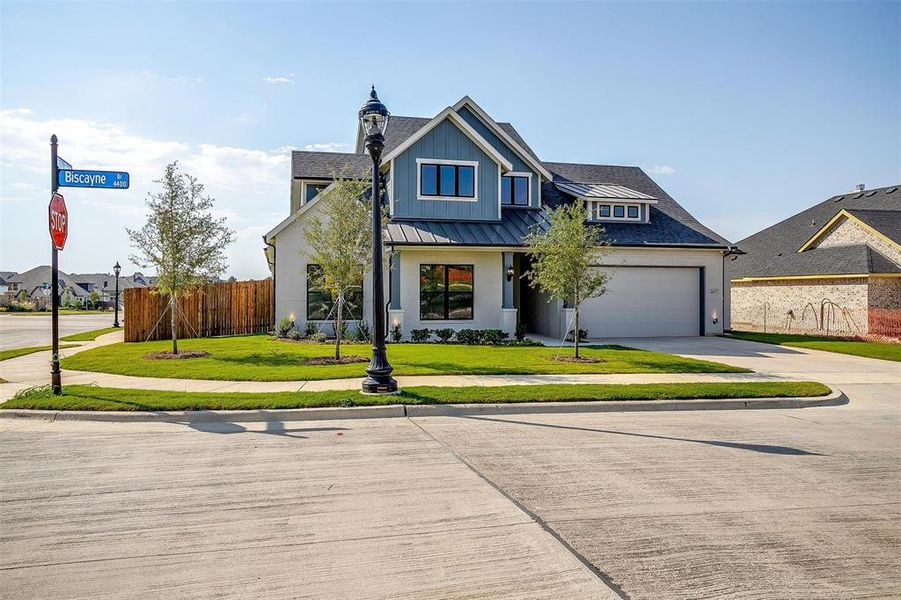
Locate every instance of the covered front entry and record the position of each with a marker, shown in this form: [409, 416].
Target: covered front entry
[645, 302]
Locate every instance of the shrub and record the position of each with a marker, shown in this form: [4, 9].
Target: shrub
[319, 337]
[444, 334]
[396, 333]
[469, 336]
[527, 342]
[310, 329]
[283, 327]
[583, 335]
[520, 333]
[294, 335]
[494, 336]
[420, 335]
[362, 332]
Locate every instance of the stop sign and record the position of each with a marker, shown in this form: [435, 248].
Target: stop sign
[59, 221]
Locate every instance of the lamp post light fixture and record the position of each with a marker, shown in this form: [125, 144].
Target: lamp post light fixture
[116, 269]
[374, 120]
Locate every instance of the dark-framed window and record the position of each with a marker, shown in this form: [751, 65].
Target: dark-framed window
[604, 211]
[514, 190]
[453, 181]
[320, 302]
[312, 189]
[619, 211]
[446, 292]
[632, 211]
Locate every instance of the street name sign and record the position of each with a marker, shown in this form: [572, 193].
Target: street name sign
[59, 221]
[116, 180]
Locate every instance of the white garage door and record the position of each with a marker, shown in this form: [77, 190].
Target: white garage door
[645, 302]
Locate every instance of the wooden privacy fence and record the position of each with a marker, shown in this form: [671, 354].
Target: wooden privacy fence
[213, 309]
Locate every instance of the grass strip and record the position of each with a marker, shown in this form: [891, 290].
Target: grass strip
[89, 336]
[81, 397]
[15, 352]
[881, 350]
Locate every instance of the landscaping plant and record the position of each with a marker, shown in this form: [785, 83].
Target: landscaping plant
[563, 257]
[284, 327]
[420, 335]
[340, 239]
[494, 337]
[181, 239]
[444, 334]
[396, 333]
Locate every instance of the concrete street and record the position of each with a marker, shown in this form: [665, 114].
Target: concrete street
[730, 504]
[21, 331]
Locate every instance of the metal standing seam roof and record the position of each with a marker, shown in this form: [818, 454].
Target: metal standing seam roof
[605, 191]
[510, 231]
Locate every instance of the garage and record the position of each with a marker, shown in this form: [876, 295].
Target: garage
[646, 302]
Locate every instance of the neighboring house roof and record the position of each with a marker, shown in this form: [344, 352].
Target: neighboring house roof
[105, 281]
[37, 277]
[513, 227]
[774, 252]
[5, 276]
[669, 224]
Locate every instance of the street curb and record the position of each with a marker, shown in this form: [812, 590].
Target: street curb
[836, 398]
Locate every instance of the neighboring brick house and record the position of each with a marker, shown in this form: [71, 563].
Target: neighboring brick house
[833, 269]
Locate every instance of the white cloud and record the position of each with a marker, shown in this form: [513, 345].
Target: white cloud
[250, 187]
[661, 170]
[328, 147]
[280, 79]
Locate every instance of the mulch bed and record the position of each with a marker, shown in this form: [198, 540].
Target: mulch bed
[573, 359]
[181, 355]
[331, 360]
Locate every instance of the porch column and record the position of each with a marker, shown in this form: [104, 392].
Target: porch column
[508, 312]
[507, 297]
[395, 312]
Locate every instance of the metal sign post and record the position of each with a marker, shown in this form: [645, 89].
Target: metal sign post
[55, 376]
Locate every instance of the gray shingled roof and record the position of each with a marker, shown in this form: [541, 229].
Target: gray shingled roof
[322, 165]
[515, 224]
[774, 252]
[38, 277]
[669, 224]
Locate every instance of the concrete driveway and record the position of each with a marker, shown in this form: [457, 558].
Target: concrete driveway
[731, 504]
[22, 331]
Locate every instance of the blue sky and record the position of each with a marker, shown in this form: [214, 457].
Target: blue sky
[745, 113]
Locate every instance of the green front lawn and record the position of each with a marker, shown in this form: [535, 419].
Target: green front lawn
[7, 354]
[842, 346]
[87, 336]
[82, 397]
[261, 358]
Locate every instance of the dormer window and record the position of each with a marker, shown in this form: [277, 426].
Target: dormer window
[613, 211]
[447, 179]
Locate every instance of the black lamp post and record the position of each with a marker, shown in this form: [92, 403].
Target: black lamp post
[116, 269]
[374, 119]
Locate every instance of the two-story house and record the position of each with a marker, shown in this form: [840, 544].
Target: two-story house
[463, 190]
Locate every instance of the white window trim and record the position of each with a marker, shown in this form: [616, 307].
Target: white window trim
[303, 189]
[527, 175]
[447, 161]
[596, 211]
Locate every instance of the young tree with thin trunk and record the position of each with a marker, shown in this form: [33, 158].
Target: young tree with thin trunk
[563, 257]
[340, 238]
[182, 239]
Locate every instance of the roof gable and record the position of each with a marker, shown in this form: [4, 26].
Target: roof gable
[528, 157]
[451, 115]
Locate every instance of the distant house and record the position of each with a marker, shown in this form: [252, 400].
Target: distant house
[34, 286]
[463, 192]
[4, 278]
[834, 269]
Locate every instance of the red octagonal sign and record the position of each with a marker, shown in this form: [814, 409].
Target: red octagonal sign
[59, 221]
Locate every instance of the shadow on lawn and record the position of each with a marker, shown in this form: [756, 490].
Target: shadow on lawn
[764, 448]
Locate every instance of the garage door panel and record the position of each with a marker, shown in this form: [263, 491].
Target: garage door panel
[645, 302]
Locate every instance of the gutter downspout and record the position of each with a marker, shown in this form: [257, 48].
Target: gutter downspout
[272, 264]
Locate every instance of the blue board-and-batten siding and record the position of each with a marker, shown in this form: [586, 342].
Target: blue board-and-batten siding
[519, 165]
[445, 141]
